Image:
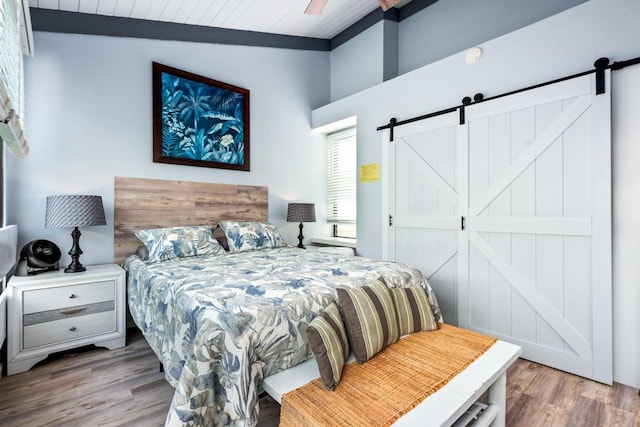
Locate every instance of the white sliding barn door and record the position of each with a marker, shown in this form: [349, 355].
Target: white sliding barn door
[534, 258]
[423, 204]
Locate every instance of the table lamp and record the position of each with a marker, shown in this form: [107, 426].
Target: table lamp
[301, 212]
[74, 211]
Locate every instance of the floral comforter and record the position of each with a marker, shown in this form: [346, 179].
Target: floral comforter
[221, 323]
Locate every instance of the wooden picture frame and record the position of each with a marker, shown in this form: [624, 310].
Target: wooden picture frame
[198, 121]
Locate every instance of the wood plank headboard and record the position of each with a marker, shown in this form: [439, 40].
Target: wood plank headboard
[153, 203]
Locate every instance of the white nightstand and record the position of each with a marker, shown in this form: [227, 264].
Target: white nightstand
[56, 311]
[336, 250]
[336, 245]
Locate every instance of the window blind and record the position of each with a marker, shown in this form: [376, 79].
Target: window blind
[12, 78]
[341, 177]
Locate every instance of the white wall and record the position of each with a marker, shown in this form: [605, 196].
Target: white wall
[445, 28]
[89, 119]
[359, 63]
[561, 45]
[626, 223]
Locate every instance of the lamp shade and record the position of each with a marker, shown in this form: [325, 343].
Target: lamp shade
[301, 212]
[74, 211]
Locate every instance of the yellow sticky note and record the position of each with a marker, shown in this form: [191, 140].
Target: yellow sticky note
[370, 172]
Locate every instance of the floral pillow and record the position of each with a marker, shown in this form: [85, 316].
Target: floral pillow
[251, 235]
[179, 242]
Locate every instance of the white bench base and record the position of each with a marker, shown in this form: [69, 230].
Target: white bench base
[447, 405]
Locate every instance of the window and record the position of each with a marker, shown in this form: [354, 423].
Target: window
[341, 183]
[2, 192]
[14, 28]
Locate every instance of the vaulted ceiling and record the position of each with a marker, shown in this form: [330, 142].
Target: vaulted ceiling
[285, 17]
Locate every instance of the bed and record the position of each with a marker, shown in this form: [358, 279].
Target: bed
[220, 323]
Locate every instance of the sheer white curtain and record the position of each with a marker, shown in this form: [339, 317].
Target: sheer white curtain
[15, 39]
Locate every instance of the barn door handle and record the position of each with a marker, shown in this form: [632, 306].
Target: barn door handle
[461, 223]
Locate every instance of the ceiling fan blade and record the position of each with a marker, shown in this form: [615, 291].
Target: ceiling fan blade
[388, 4]
[315, 7]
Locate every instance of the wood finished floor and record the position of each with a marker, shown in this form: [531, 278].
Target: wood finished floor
[123, 387]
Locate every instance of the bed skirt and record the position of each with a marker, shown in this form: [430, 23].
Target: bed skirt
[388, 386]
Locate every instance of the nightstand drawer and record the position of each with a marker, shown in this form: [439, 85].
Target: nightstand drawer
[68, 296]
[68, 329]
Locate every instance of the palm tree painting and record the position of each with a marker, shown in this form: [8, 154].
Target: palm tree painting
[198, 121]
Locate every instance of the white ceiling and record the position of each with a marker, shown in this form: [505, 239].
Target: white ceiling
[269, 16]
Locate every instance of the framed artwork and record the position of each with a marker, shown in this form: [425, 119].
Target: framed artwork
[198, 121]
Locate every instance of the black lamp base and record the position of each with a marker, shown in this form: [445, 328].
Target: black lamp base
[75, 252]
[300, 238]
[75, 268]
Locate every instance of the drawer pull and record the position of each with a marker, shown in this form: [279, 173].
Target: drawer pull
[72, 296]
[74, 311]
[73, 328]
